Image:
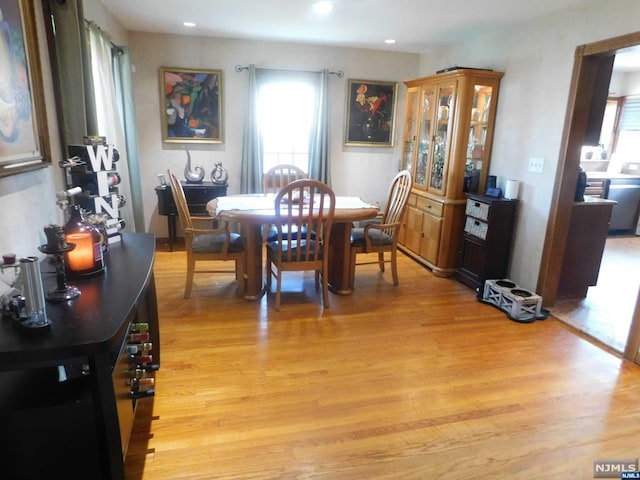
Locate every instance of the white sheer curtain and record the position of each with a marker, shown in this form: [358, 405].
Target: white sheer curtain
[253, 148]
[107, 113]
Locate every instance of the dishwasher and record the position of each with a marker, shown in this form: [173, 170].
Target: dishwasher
[624, 217]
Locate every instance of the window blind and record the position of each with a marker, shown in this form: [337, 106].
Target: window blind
[630, 114]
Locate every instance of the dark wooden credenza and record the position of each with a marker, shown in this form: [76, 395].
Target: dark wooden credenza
[197, 195]
[79, 428]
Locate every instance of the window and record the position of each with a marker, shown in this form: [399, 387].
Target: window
[286, 106]
[628, 145]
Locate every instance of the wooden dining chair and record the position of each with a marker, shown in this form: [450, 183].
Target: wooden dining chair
[382, 237]
[273, 181]
[279, 176]
[307, 207]
[206, 244]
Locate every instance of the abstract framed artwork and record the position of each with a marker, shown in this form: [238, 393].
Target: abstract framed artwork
[24, 140]
[191, 105]
[371, 111]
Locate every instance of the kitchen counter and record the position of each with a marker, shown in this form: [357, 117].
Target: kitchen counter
[624, 188]
[590, 201]
[612, 176]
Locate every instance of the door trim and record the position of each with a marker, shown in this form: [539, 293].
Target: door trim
[575, 127]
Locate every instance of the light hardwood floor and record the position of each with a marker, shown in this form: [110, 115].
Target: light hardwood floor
[419, 381]
[605, 314]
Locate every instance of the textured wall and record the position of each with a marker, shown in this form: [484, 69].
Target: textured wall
[354, 170]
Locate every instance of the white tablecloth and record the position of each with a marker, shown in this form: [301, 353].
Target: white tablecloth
[265, 202]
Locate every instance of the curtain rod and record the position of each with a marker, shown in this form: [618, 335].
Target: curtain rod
[339, 73]
[92, 24]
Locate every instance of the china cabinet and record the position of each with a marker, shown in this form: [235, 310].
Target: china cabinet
[448, 129]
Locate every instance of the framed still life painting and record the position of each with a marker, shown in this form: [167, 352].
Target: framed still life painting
[23, 128]
[191, 105]
[371, 110]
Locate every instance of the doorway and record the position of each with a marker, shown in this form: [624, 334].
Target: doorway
[586, 85]
[605, 313]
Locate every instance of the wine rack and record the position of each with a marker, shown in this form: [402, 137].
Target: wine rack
[141, 372]
[91, 167]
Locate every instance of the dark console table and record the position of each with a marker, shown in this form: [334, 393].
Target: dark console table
[197, 194]
[79, 428]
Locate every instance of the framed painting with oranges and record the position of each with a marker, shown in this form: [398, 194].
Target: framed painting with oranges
[371, 110]
[191, 105]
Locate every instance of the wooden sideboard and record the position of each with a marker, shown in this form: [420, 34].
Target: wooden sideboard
[78, 428]
[197, 194]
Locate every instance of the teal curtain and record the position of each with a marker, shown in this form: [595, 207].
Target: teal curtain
[126, 107]
[319, 138]
[251, 167]
[72, 71]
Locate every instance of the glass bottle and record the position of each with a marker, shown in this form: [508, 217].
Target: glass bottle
[87, 257]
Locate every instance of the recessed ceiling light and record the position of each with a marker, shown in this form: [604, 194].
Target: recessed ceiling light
[323, 7]
[390, 41]
[189, 24]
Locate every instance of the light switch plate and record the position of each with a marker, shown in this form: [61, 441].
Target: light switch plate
[536, 165]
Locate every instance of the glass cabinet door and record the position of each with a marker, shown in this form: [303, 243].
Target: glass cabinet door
[441, 138]
[410, 121]
[428, 107]
[480, 116]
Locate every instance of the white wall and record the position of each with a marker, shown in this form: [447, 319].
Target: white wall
[27, 200]
[625, 83]
[354, 170]
[94, 10]
[537, 59]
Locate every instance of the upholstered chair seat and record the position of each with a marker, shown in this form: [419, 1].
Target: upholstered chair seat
[214, 243]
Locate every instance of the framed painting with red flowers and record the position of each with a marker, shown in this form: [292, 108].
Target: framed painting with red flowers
[191, 105]
[371, 112]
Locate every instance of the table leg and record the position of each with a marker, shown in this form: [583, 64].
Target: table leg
[171, 227]
[340, 274]
[253, 261]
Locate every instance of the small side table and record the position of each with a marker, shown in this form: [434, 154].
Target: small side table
[197, 194]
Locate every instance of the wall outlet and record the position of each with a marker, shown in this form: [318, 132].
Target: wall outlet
[536, 165]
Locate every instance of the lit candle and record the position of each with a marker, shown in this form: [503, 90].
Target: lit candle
[81, 257]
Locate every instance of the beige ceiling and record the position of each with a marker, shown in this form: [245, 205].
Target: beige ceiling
[416, 25]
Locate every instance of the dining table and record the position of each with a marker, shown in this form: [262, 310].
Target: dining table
[253, 211]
